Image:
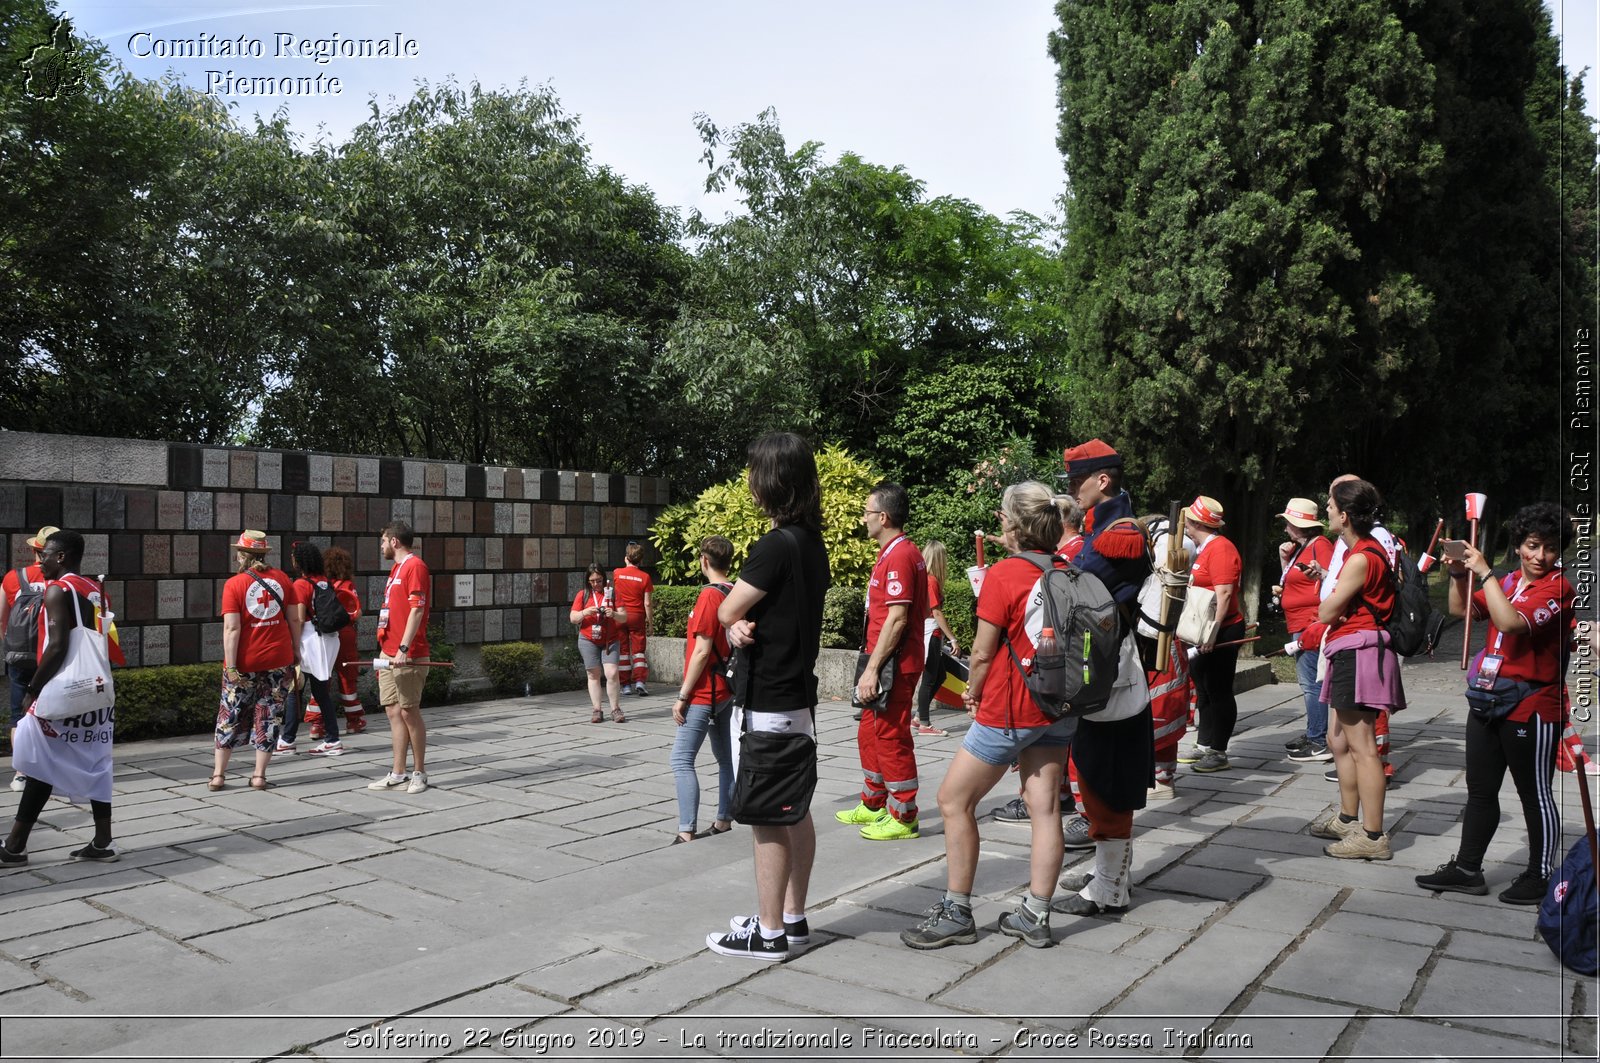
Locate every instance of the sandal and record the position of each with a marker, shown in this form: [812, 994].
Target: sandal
[598, 717]
[618, 717]
[712, 830]
[217, 782]
[678, 839]
[258, 782]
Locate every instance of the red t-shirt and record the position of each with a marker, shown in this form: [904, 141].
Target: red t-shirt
[265, 642]
[900, 577]
[346, 590]
[1218, 565]
[1070, 546]
[12, 588]
[1302, 594]
[1536, 657]
[407, 589]
[1009, 603]
[703, 621]
[1377, 590]
[607, 633]
[632, 583]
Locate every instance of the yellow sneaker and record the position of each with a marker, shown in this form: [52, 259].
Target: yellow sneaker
[889, 829]
[861, 815]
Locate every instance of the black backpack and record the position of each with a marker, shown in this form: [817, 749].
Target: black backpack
[1077, 679]
[1414, 625]
[328, 614]
[22, 627]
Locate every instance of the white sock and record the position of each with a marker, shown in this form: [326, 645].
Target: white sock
[770, 935]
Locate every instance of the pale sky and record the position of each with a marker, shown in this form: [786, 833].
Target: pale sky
[959, 92]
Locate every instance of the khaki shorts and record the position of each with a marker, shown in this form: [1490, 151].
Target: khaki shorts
[402, 686]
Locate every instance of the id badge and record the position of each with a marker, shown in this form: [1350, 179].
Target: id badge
[383, 617]
[594, 630]
[1488, 672]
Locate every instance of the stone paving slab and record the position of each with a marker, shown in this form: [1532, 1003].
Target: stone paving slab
[533, 892]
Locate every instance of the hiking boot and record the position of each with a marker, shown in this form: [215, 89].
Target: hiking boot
[418, 783]
[1075, 835]
[11, 859]
[1013, 811]
[1193, 754]
[861, 815]
[388, 782]
[1213, 760]
[1078, 904]
[334, 748]
[1077, 880]
[1358, 846]
[108, 855]
[747, 943]
[1334, 828]
[1451, 877]
[798, 932]
[947, 923]
[1311, 751]
[1530, 887]
[1034, 930]
[889, 829]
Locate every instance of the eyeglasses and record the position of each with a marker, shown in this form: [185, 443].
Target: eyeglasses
[870, 512]
[597, 583]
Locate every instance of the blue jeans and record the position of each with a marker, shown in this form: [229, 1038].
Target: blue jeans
[1305, 670]
[698, 719]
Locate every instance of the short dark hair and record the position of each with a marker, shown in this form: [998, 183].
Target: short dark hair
[894, 502]
[399, 531]
[633, 552]
[1545, 521]
[69, 543]
[1360, 502]
[718, 551]
[783, 480]
[308, 559]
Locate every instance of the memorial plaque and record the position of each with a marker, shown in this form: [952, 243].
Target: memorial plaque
[503, 520]
[171, 510]
[602, 488]
[466, 590]
[185, 555]
[110, 508]
[455, 556]
[530, 554]
[214, 468]
[472, 628]
[483, 592]
[493, 626]
[367, 475]
[344, 475]
[568, 486]
[211, 642]
[97, 553]
[200, 598]
[433, 478]
[502, 588]
[169, 599]
[416, 478]
[227, 512]
[632, 496]
[455, 480]
[198, 510]
[521, 518]
[332, 513]
[514, 486]
[131, 639]
[320, 472]
[157, 555]
[494, 553]
[269, 471]
[307, 513]
[473, 560]
[464, 518]
[77, 508]
[494, 482]
[254, 512]
[241, 470]
[185, 644]
[521, 588]
[156, 649]
[558, 520]
[583, 487]
[511, 629]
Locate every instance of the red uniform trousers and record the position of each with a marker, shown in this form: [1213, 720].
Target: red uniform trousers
[888, 756]
[1105, 823]
[631, 664]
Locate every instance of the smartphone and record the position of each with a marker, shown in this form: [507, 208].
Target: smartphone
[1454, 549]
[1303, 566]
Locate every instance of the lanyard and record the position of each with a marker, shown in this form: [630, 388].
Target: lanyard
[1515, 598]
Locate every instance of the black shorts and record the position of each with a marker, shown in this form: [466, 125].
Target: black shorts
[1342, 682]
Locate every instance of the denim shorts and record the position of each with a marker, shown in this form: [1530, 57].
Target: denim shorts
[999, 746]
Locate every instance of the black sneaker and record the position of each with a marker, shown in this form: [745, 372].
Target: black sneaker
[1530, 887]
[1295, 743]
[1311, 751]
[798, 932]
[93, 852]
[1451, 877]
[747, 943]
[1332, 775]
[11, 859]
[1013, 811]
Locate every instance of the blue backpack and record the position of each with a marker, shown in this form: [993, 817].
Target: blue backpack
[1568, 919]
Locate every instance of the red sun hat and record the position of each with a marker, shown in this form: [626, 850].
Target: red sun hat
[1207, 511]
[253, 541]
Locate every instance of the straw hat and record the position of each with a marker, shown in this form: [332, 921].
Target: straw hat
[1302, 513]
[1207, 511]
[252, 541]
[38, 541]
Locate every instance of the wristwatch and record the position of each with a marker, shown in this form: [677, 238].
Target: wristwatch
[404, 648]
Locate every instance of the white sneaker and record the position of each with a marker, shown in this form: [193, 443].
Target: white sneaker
[419, 782]
[388, 782]
[19, 782]
[326, 749]
[284, 748]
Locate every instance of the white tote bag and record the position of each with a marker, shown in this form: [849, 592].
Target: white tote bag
[318, 653]
[1197, 626]
[84, 683]
[1131, 692]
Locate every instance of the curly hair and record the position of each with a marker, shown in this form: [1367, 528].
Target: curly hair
[337, 561]
[1545, 521]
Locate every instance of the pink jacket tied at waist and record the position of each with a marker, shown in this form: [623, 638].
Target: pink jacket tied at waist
[1377, 669]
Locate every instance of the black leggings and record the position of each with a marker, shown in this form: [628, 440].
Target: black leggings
[1213, 689]
[1529, 751]
[932, 676]
[35, 793]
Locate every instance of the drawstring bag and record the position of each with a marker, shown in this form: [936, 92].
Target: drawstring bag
[318, 652]
[1198, 624]
[84, 682]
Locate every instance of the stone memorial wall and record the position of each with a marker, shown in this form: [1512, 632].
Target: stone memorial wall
[506, 546]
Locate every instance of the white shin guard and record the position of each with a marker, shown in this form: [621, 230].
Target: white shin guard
[1112, 884]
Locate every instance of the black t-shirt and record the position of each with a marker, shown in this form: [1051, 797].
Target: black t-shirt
[777, 673]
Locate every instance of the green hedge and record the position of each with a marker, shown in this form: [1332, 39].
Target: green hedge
[844, 618]
[515, 667]
[671, 605]
[960, 610]
[436, 691]
[167, 701]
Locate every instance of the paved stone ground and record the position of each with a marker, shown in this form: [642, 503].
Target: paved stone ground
[530, 906]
